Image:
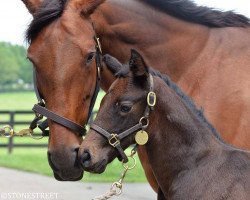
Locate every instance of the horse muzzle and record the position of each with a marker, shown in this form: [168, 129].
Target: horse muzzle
[65, 166]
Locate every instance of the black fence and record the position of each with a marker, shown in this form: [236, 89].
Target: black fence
[13, 122]
[12, 115]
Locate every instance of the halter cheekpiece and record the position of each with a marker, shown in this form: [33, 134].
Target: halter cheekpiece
[41, 110]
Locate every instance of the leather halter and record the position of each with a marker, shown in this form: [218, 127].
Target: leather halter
[41, 110]
[115, 139]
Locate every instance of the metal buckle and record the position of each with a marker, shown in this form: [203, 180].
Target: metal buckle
[151, 99]
[98, 44]
[114, 141]
[99, 73]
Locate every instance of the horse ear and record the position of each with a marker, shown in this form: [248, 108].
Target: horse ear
[112, 63]
[32, 5]
[137, 64]
[117, 68]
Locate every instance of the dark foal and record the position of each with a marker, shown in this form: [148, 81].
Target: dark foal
[189, 159]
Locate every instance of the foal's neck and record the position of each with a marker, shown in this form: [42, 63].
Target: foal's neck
[170, 44]
[179, 139]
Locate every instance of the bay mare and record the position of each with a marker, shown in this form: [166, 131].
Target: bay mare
[206, 52]
[188, 157]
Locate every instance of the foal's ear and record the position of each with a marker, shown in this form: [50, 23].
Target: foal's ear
[32, 5]
[137, 64]
[112, 63]
[117, 68]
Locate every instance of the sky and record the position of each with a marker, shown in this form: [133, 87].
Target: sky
[14, 16]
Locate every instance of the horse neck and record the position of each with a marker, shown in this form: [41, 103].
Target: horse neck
[177, 134]
[169, 44]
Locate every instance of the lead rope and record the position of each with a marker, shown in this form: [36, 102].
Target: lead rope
[116, 187]
[7, 131]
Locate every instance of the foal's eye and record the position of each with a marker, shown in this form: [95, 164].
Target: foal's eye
[90, 58]
[126, 107]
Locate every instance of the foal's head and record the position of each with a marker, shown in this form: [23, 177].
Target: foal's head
[121, 108]
[62, 50]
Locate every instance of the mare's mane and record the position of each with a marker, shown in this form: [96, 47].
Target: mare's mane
[49, 11]
[187, 10]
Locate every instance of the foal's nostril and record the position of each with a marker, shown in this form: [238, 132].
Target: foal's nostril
[86, 158]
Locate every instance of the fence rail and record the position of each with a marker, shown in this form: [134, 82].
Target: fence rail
[10, 145]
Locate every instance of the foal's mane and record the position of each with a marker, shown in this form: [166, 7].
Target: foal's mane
[187, 100]
[190, 104]
[124, 72]
[187, 10]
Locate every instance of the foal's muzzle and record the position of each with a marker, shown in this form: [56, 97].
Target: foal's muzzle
[88, 165]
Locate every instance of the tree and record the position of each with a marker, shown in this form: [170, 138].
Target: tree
[13, 64]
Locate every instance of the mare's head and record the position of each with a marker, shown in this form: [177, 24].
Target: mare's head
[62, 50]
[122, 107]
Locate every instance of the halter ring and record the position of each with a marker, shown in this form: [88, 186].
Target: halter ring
[8, 131]
[144, 122]
[133, 164]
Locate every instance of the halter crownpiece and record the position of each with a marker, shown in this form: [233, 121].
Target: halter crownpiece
[141, 136]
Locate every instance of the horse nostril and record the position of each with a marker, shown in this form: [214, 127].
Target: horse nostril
[86, 158]
[51, 162]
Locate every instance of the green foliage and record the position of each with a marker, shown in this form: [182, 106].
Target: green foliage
[13, 64]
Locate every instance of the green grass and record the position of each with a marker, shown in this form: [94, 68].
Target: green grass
[17, 101]
[35, 160]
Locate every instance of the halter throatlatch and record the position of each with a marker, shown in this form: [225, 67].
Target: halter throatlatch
[41, 110]
[141, 136]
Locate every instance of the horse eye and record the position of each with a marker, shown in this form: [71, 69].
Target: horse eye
[125, 108]
[90, 58]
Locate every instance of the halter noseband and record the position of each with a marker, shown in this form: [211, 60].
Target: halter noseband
[115, 139]
[41, 111]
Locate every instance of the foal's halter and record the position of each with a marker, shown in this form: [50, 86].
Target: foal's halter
[115, 139]
[41, 110]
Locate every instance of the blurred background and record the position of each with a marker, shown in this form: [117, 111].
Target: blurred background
[16, 92]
